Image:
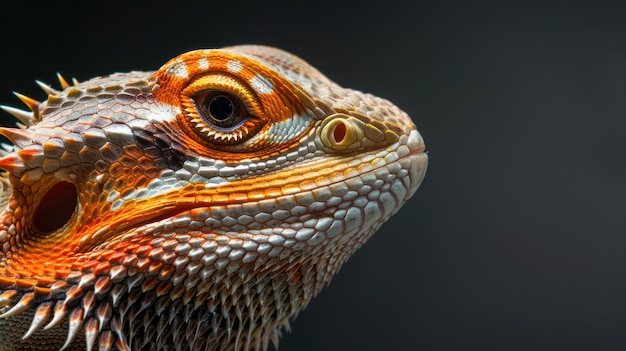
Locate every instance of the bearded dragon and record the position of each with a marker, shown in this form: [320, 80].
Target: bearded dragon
[197, 207]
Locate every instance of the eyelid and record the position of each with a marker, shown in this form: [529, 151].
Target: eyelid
[211, 133]
[227, 84]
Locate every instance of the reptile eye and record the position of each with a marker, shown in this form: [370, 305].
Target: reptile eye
[221, 110]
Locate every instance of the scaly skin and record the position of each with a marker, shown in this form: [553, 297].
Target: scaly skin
[198, 207]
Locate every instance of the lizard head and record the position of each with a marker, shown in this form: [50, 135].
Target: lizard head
[200, 206]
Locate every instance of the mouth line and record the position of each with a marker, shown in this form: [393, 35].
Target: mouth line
[183, 204]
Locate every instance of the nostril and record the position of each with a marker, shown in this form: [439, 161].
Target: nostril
[56, 207]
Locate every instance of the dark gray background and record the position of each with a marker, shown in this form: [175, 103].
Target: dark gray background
[516, 239]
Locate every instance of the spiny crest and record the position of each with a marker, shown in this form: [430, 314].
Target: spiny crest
[48, 315]
[27, 118]
[80, 309]
[125, 321]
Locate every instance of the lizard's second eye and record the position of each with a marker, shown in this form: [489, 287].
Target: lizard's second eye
[221, 110]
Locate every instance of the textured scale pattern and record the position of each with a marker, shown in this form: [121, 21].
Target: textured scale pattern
[197, 207]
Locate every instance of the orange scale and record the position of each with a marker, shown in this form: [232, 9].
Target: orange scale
[155, 267]
[238, 197]
[219, 198]
[149, 283]
[7, 282]
[166, 272]
[142, 264]
[102, 268]
[203, 199]
[272, 192]
[163, 288]
[62, 273]
[142, 250]
[89, 265]
[291, 189]
[256, 195]
[45, 280]
[17, 213]
[116, 258]
[42, 291]
[7, 220]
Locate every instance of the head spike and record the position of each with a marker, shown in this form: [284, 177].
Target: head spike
[47, 88]
[19, 137]
[6, 147]
[11, 163]
[75, 81]
[31, 103]
[26, 117]
[62, 81]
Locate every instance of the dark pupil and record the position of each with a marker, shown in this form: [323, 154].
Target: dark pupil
[221, 107]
